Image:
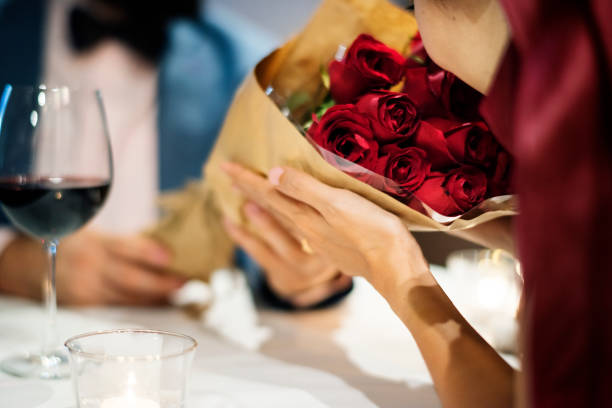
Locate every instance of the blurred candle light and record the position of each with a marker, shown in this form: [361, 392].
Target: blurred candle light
[491, 292]
[129, 399]
[485, 286]
[131, 368]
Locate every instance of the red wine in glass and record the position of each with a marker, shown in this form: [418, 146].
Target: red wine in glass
[51, 207]
[56, 169]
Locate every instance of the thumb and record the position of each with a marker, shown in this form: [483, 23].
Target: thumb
[303, 187]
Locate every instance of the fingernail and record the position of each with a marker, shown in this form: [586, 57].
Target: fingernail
[275, 174]
[252, 209]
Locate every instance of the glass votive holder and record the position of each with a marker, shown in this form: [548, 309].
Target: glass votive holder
[131, 368]
[486, 287]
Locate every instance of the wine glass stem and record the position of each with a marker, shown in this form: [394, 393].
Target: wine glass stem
[50, 338]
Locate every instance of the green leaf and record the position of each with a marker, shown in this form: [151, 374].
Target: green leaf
[307, 125]
[417, 59]
[325, 76]
[327, 103]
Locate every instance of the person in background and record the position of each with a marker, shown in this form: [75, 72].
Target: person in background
[160, 134]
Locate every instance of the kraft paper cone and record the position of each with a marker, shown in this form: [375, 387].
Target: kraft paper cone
[257, 135]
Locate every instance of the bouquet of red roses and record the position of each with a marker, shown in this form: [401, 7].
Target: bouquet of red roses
[408, 128]
[400, 132]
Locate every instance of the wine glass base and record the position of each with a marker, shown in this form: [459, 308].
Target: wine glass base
[52, 366]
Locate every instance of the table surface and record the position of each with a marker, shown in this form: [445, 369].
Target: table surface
[357, 354]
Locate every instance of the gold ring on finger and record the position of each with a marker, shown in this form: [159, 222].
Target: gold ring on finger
[306, 246]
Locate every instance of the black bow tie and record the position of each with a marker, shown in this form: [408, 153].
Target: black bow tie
[143, 27]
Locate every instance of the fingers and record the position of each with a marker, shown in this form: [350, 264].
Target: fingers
[139, 281]
[321, 292]
[286, 276]
[138, 249]
[302, 187]
[292, 214]
[259, 190]
[342, 209]
[301, 193]
[258, 250]
[273, 233]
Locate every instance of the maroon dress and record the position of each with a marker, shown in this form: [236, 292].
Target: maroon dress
[551, 105]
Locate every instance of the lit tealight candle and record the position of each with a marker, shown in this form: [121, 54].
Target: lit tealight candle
[129, 402]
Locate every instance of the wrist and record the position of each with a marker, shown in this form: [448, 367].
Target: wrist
[399, 294]
[395, 276]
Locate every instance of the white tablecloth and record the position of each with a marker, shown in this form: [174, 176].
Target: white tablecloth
[357, 354]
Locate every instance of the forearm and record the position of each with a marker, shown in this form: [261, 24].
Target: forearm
[466, 370]
[22, 267]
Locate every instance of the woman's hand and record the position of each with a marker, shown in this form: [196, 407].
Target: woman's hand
[351, 233]
[360, 238]
[292, 271]
[92, 269]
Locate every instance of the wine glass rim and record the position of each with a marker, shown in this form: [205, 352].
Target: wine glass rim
[70, 345]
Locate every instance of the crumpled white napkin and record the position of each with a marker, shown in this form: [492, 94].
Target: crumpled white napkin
[231, 310]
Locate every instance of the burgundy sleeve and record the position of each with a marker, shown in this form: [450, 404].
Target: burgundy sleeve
[552, 104]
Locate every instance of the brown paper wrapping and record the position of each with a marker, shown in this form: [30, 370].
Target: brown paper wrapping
[256, 134]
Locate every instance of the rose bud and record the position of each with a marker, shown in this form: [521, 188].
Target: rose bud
[347, 133]
[407, 167]
[431, 139]
[472, 143]
[368, 64]
[393, 114]
[467, 186]
[454, 193]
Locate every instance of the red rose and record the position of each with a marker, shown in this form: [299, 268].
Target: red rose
[440, 93]
[393, 114]
[407, 167]
[416, 86]
[467, 186]
[368, 64]
[347, 133]
[430, 137]
[472, 143]
[454, 193]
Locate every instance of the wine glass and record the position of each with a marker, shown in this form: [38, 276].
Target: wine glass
[55, 173]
